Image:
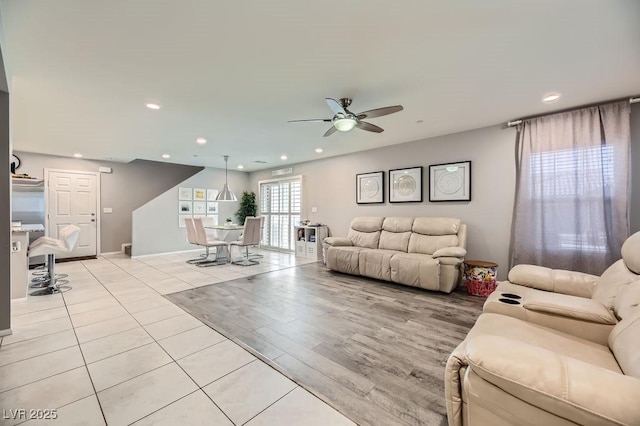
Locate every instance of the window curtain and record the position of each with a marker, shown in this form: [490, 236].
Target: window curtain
[572, 189]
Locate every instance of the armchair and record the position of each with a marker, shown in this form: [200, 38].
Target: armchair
[586, 306]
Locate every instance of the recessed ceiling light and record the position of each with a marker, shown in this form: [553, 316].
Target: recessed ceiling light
[551, 97]
[152, 105]
[283, 157]
[419, 121]
[77, 155]
[166, 156]
[319, 150]
[240, 166]
[201, 141]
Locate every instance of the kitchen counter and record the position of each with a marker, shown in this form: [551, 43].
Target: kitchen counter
[28, 228]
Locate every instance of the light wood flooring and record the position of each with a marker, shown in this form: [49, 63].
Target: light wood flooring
[373, 350]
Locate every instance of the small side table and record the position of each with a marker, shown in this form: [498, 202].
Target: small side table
[480, 277]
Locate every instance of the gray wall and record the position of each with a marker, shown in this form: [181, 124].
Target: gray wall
[5, 214]
[5, 198]
[129, 186]
[330, 185]
[155, 225]
[635, 168]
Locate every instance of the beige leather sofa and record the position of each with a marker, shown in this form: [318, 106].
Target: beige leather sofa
[583, 305]
[422, 252]
[565, 355]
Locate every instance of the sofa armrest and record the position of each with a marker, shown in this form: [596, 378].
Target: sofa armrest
[447, 260]
[337, 241]
[563, 305]
[555, 280]
[450, 252]
[567, 387]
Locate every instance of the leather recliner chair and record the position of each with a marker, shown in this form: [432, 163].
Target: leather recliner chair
[550, 360]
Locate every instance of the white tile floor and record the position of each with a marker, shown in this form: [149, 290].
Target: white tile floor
[113, 350]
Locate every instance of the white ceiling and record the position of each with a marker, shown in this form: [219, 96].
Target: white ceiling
[235, 72]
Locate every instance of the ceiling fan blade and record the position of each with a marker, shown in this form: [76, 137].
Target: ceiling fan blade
[329, 132]
[326, 120]
[335, 106]
[379, 112]
[369, 127]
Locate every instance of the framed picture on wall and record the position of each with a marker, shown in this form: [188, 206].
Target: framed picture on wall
[405, 185]
[185, 193]
[185, 207]
[213, 218]
[212, 194]
[212, 207]
[450, 182]
[199, 194]
[199, 207]
[181, 218]
[370, 188]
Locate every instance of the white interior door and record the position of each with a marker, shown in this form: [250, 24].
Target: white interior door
[73, 200]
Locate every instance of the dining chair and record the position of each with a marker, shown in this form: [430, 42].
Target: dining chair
[193, 239]
[251, 236]
[208, 241]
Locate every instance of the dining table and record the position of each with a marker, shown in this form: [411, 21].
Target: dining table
[227, 233]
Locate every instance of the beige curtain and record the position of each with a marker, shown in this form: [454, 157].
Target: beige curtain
[572, 186]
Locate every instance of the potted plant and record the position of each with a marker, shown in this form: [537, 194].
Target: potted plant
[247, 207]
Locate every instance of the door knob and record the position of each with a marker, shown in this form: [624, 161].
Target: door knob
[93, 214]
[93, 220]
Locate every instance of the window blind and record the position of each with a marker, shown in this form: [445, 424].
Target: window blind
[280, 205]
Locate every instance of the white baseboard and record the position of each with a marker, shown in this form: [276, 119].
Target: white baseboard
[5, 332]
[110, 252]
[168, 252]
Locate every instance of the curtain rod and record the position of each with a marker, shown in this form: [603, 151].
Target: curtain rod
[516, 122]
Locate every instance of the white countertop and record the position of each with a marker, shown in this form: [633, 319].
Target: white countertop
[28, 228]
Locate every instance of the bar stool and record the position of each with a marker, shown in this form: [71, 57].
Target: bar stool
[50, 247]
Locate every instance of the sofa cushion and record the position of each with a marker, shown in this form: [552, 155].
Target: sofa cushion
[610, 281]
[627, 303]
[418, 270]
[367, 224]
[398, 241]
[343, 259]
[429, 244]
[436, 225]
[397, 224]
[375, 263]
[631, 252]
[625, 345]
[489, 324]
[364, 239]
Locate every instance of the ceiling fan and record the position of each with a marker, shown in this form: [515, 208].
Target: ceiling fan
[344, 120]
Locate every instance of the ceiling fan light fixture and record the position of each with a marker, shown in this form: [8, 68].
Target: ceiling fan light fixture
[344, 123]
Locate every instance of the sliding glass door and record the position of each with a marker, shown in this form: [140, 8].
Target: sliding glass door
[281, 205]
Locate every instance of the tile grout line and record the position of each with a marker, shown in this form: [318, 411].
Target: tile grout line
[174, 361]
[93, 274]
[270, 405]
[44, 353]
[202, 387]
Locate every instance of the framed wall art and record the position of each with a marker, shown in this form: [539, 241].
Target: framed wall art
[181, 218]
[450, 182]
[199, 207]
[212, 207]
[185, 207]
[370, 188]
[185, 193]
[199, 194]
[212, 194]
[405, 185]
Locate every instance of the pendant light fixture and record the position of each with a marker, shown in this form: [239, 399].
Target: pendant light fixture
[226, 194]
